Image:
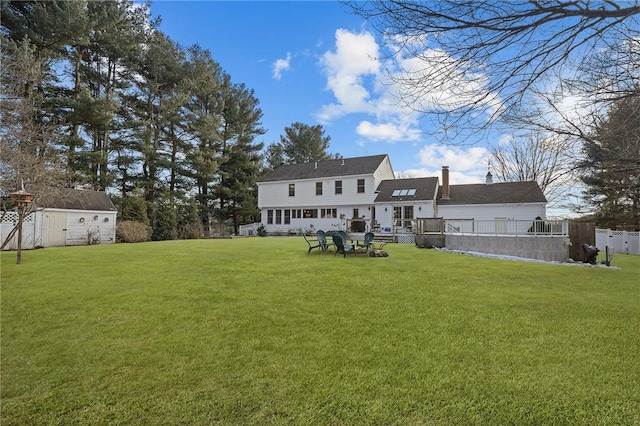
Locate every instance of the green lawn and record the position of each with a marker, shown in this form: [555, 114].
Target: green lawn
[256, 331]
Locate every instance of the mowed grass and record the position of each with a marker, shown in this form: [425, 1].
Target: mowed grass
[257, 331]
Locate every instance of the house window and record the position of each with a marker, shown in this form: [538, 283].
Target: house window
[403, 216]
[287, 217]
[292, 190]
[269, 217]
[310, 213]
[338, 187]
[408, 217]
[278, 217]
[318, 188]
[329, 213]
[360, 186]
[397, 215]
[296, 214]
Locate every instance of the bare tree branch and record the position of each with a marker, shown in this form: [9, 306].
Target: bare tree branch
[489, 57]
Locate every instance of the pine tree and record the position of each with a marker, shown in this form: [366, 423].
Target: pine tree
[240, 160]
[303, 143]
[204, 79]
[612, 166]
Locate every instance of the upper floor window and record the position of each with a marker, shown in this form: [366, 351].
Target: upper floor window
[338, 187]
[318, 188]
[292, 190]
[360, 186]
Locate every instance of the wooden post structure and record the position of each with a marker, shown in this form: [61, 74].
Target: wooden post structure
[22, 199]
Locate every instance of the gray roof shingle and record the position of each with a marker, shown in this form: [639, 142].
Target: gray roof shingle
[326, 168]
[506, 192]
[74, 199]
[425, 189]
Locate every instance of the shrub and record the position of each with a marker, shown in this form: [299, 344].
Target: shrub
[135, 209]
[190, 231]
[93, 236]
[131, 231]
[164, 223]
[262, 232]
[189, 222]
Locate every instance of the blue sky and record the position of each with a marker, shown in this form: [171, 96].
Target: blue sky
[315, 62]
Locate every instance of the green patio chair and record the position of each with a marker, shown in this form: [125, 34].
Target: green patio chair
[342, 246]
[322, 238]
[312, 244]
[367, 243]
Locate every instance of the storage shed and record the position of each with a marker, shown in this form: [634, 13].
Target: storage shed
[65, 217]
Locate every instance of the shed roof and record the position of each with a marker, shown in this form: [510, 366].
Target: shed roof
[326, 168]
[425, 189]
[74, 199]
[495, 193]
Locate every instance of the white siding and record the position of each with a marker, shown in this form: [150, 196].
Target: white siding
[421, 209]
[383, 172]
[527, 211]
[81, 224]
[276, 194]
[67, 227]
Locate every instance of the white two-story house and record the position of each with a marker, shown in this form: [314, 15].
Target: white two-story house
[322, 194]
[330, 194]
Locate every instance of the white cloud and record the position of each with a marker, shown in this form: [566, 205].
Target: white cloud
[390, 132]
[466, 165]
[345, 69]
[281, 65]
[359, 84]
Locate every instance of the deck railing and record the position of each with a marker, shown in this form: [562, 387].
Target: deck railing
[495, 227]
[508, 227]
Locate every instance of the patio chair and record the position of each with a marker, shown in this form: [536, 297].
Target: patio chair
[342, 246]
[312, 243]
[322, 238]
[367, 243]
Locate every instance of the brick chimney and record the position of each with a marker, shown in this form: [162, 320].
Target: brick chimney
[445, 182]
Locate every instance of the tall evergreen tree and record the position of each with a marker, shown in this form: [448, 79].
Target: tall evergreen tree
[273, 157]
[204, 80]
[302, 143]
[127, 109]
[240, 156]
[149, 108]
[612, 166]
[117, 31]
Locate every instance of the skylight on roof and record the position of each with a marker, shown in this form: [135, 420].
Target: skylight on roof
[403, 192]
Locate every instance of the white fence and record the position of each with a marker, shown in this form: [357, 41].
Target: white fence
[620, 241]
[248, 230]
[10, 221]
[507, 227]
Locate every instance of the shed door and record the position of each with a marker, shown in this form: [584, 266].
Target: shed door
[55, 229]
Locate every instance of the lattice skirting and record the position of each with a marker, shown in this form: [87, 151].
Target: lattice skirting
[406, 238]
